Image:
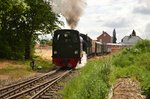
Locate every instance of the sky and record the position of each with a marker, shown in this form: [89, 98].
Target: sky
[121, 15]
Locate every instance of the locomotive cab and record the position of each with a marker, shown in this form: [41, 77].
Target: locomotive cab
[66, 48]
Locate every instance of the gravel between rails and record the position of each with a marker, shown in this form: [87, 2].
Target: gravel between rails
[24, 84]
[54, 91]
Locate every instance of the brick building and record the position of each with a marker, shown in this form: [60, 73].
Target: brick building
[104, 38]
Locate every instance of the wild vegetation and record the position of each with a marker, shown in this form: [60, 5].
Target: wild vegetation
[92, 82]
[14, 70]
[19, 22]
[135, 63]
[97, 76]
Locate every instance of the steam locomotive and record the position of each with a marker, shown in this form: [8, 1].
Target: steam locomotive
[68, 46]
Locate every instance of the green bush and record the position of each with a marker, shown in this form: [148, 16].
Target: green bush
[143, 60]
[144, 45]
[123, 60]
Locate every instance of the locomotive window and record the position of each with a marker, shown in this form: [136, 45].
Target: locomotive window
[67, 37]
[58, 37]
[75, 37]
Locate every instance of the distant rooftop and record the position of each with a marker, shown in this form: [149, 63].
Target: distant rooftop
[130, 39]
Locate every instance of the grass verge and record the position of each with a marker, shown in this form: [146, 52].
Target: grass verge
[135, 63]
[96, 77]
[13, 70]
[93, 82]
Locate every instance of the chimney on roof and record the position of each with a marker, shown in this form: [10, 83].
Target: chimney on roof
[133, 33]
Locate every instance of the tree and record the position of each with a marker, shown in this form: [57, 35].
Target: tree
[11, 16]
[19, 21]
[114, 39]
[39, 18]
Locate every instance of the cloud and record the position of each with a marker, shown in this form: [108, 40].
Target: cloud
[142, 7]
[124, 15]
[147, 28]
[144, 2]
[142, 10]
[117, 23]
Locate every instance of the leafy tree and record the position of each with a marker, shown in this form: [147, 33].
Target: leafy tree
[11, 15]
[39, 18]
[114, 39]
[19, 21]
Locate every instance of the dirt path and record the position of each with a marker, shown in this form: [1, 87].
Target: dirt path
[125, 88]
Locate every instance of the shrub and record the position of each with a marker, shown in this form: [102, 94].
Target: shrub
[143, 60]
[123, 60]
[144, 45]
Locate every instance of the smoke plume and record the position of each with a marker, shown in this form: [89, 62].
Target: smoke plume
[70, 9]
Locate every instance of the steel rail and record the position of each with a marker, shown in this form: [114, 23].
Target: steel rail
[44, 89]
[16, 87]
[34, 88]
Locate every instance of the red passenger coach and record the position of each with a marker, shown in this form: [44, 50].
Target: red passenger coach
[113, 47]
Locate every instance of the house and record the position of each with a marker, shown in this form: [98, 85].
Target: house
[104, 38]
[131, 39]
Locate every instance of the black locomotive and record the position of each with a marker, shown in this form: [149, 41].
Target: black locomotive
[68, 46]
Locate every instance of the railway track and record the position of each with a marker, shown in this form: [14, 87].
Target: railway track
[32, 88]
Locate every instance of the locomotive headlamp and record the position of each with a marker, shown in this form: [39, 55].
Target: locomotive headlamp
[55, 52]
[66, 35]
[75, 52]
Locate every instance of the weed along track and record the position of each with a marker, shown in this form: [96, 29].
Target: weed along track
[34, 87]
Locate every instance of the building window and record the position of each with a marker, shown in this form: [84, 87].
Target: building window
[104, 34]
[100, 40]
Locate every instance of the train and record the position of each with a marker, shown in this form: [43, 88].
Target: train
[68, 47]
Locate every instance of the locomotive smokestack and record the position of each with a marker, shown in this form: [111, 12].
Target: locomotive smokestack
[70, 9]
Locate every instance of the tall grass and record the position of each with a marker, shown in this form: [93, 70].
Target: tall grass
[40, 64]
[93, 82]
[14, 70]
[135, 63]
[95, 78]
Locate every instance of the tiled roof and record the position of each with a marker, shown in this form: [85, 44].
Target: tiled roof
[130, 39]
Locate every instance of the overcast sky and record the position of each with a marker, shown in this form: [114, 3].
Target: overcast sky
[123, 15]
